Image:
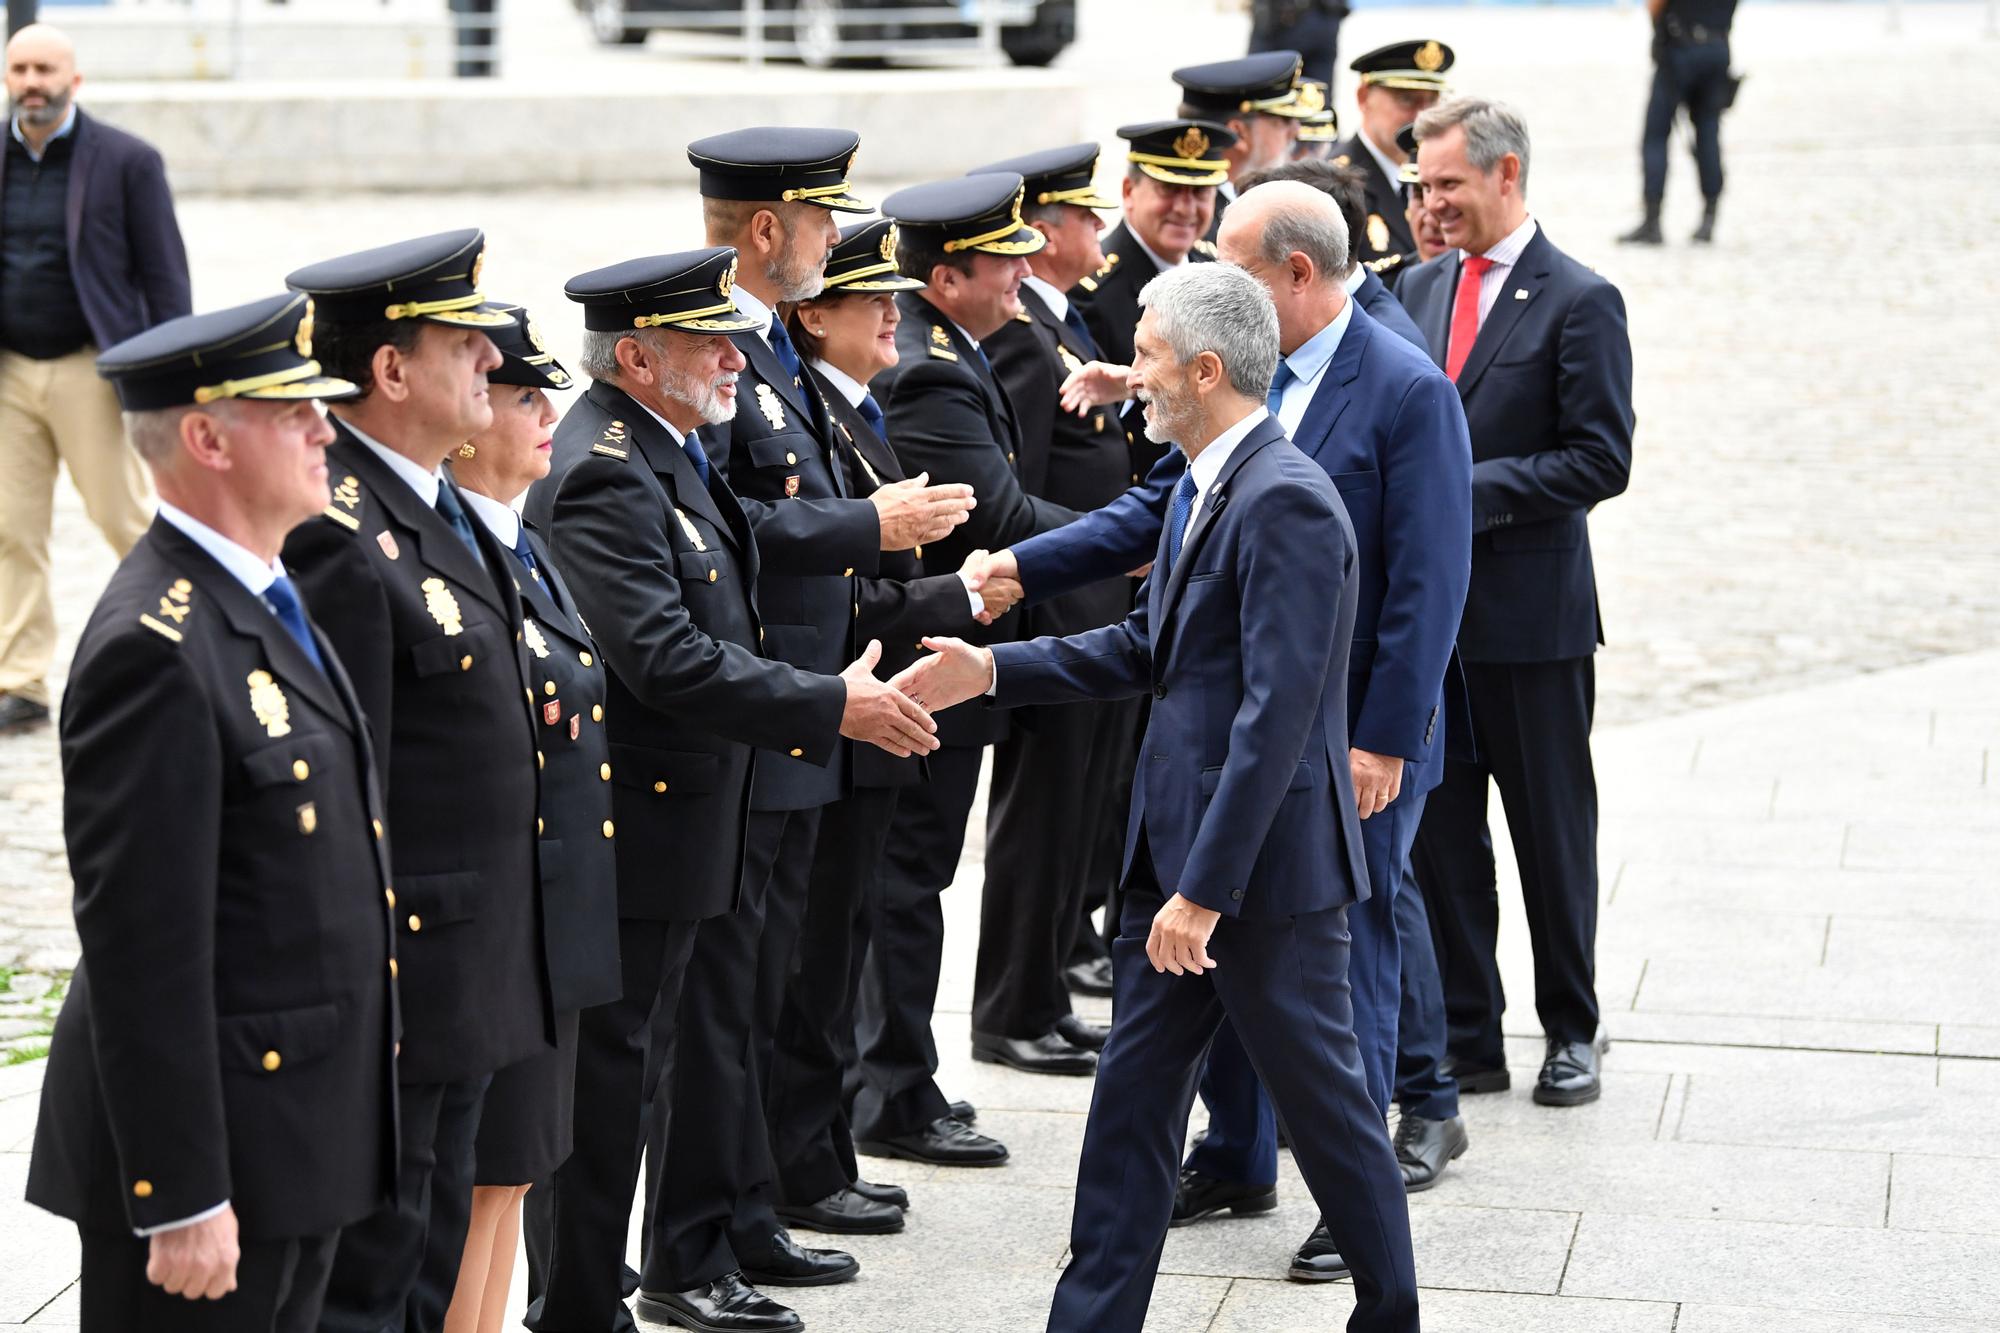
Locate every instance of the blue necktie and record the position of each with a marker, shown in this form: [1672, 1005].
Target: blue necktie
[1177, 519]
[525, 555]
[283, 599]
[1278, 383]
[1074, 319]
[696, 456]
[871, 411]
[781, 343]
[452, 510]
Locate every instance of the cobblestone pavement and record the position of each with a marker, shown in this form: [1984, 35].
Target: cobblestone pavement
[1812, 499]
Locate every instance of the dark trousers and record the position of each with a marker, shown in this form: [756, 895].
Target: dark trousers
[1283, 985]
[1532, 724]
[895, 1092]
[1310, 27]
[1053, 786]
[1423, 1089]
[1242, 1142]
[1695, 76]
[805, 1105]
[396, 1269]
[575, 1223]
[280, 1285]
[709, 1204]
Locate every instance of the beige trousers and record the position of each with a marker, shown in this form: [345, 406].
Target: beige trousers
[55, 413]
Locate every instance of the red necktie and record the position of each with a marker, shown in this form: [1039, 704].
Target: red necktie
[1465, 313]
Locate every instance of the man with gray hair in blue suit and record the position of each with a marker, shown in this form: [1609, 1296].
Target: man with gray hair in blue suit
[1243, 851]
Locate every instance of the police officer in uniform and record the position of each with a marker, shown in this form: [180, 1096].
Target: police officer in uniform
[420, 602]
[1398, 82]
[664, 564]
[1319, 130]
[221, 1094]
[1691, 69]
[1257, 99]
[1055, 828]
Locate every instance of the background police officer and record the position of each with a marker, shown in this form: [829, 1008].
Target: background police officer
[1690, 69]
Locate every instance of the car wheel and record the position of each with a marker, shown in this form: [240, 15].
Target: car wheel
[816, 30]
[608, 25]
[1034, 57]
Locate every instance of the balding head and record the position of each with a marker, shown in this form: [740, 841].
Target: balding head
[1280, 219]
[41, 76]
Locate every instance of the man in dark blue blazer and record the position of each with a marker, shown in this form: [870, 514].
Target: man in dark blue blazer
[1538, 347]
[1243, 850]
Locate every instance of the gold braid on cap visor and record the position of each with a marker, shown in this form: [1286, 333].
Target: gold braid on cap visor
[209, 393]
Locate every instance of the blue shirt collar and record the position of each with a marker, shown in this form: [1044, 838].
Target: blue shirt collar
[1310, 359]
[63, 131]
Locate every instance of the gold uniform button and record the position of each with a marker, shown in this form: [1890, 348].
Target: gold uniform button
[390, 894]
[465, 662]
[271, 1061]
[791, 457]
[392, 969]
[711, 576]
[142, 1189]
[597, 712]
[850, 572]
[416, 923]
[609, 829]
[583, 658]
[376, 824]
[798, 754]
[659, 786]
[548, 687]
[604, 772]
[301, 770]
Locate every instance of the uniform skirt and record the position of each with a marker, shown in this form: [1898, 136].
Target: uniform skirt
[525, 1129]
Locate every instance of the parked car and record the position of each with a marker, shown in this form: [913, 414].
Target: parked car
[828, 32]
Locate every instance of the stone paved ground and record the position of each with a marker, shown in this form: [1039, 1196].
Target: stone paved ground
[1799, 914]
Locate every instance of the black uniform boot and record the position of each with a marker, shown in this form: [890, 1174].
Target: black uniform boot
[1647, 232]
[1706, 231]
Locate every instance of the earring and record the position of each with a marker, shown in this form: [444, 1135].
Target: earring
[467, 449]
[817, 333]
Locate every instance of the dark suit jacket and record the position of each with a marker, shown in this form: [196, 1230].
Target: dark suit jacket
[901, 604]
[1243, 796]
[229, 1034]
[780, 466]
[125, 249]
[665, 572]
[1385, 204]
[949, 416]
[432, 643]
[1383, 307]
[1548, 397]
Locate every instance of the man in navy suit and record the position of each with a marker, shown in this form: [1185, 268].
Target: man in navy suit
[1379, 419]
[1537, 345]
[1243, 852]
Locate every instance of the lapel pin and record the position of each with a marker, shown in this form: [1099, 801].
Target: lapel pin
[1520, 293]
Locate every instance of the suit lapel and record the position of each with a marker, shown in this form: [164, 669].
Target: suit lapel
[82, 151]
[1212, 505]
[1332, 396]
[437, 545]
[670, 462]
[1433, 312]
[772, 371]
[1523, 282]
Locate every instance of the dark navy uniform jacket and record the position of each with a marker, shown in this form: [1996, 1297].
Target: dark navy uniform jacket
[230, 1032]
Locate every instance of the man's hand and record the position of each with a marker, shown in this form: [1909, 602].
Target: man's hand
[880, 714]
[1093, 385]
[914, 511]
[954, 672]
[994, 579]
[1378, 780]
[197, 1261]
[1178, 942]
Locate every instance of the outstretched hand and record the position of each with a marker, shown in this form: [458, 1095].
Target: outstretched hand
[913, 512]
[881, 714]
[1094, 384]
[954, 672]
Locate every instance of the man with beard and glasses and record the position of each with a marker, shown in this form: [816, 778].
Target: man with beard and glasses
[1243, 851]
[90, 255]
[1256, 99]
[664, 561]
[774, 195]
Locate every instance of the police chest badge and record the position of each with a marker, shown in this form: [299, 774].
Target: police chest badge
[387, 541]
[1069, 359]
[443, 606]
[791, 487]
[693, 533]
[308, 818]
[532, 632]
[267, 701]
[1378, 232]
[768, 404]
[552, 713]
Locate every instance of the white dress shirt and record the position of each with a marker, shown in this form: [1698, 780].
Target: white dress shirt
[500, 520]
[425, 484]
[750, 305]
[1153, 254]
[1391, 171]
[1308, 363]
[1504, 256]
[1056, 300]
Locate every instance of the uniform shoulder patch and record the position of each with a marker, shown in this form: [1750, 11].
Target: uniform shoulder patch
[940, 344]
[175, 605]
[1342, 160]
[1205, 248]
[345, 508]
[1385, 263]
[611, 442]
[1024, 317]
[1088, 284]
[610, 451]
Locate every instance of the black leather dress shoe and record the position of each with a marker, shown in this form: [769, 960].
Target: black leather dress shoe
[1091, 978]
[726, 1305]
[1082, 1033]
[1474, 1079]
[790, 1264]
[1046, 1054]
[1318, 1260]
[18, 714]
[1569, 1074]
[1424, 1148]
[943, 1142]
[1199, 1196]
[893, 1195]
[843, 1213]
[965, 1113]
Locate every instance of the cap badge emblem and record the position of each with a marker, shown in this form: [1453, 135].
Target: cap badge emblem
[1378, 233]
[443, 606]
[1192, 143]
[727, 282]
[267, 701]
[889, 243]
[535, 338]
[478, 267]
[1311, 99]
[303, 339]
[1430, 57]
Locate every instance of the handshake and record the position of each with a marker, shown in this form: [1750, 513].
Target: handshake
[995, 580]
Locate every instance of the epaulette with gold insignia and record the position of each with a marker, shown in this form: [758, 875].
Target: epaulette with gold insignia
[1088, 284]
[940, 345]
[1205, 248]
[346, 507]
[1385, 263]
[175, 603]
[612, 443]
[1024, 317]
[1342, 160]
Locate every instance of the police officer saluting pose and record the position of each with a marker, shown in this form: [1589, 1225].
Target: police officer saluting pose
[221, 1094]
[664, 564]
[422, 607]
